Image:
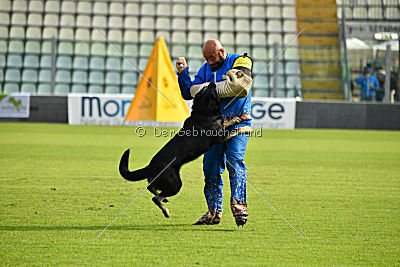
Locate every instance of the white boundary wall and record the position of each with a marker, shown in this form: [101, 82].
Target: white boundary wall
[92, 109]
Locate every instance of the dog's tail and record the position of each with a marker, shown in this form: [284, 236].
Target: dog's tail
[137, 175]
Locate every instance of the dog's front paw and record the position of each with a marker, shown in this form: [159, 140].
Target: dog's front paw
[232, 121]
[236, 120]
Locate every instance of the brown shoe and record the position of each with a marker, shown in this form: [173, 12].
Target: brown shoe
[209, 219]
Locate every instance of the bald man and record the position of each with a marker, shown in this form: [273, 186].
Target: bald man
[218, 68]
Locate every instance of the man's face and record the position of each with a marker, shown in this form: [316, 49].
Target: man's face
[368, 72]
[214, 58]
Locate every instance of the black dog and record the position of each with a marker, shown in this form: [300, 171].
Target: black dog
[200, 131]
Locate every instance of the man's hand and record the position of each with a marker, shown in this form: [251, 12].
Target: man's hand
[181, 64]
[235, 84]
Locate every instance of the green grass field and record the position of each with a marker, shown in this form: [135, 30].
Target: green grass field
[59, 187]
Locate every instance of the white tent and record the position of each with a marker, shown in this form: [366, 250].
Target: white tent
[394, 45]
[355, 44]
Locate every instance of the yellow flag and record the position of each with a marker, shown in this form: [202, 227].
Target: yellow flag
[158, 97]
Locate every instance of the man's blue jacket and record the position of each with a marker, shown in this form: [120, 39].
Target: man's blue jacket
[239, 107]
[365, 83]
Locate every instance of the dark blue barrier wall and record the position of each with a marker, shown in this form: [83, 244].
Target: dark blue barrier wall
[345, 115]
[46, 109]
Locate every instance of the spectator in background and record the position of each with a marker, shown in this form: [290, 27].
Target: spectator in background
[381, 75]
[369, 85]
[394, 86]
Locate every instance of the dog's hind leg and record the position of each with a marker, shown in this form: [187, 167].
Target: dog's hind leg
[157, 192]
[157, 200]
[174, 186]
[171, 187]
[153, 190]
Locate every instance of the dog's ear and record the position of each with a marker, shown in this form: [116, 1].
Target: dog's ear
[212, 89]
[212, 86]
[201, 93]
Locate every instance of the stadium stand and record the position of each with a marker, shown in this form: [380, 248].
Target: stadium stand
[319, 74]
[86, 62]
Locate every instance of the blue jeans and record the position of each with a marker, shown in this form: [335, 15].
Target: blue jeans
[229, 154]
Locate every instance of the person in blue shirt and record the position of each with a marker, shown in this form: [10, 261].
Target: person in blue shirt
[234, 105]
[369, 85]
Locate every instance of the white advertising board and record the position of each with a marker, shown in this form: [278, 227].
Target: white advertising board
[273, 113]
[102, 109]
[86, 109]
[15, 105]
